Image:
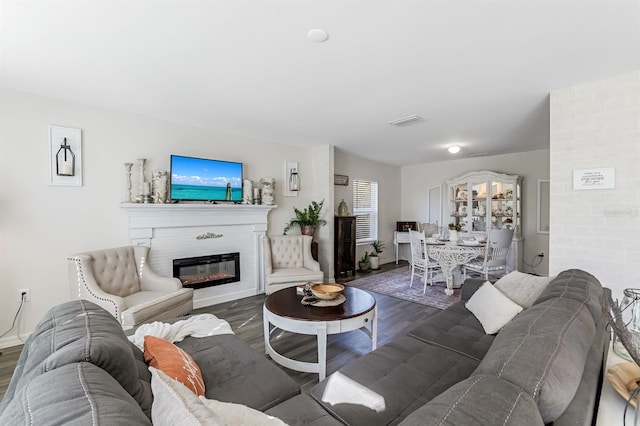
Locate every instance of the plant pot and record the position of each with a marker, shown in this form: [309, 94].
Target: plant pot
[364, 266]
[374, 261]
[308, 230]
[453, 236]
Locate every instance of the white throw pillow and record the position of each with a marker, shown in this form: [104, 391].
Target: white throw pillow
[524, 289]
[175, 405]
[493, 309]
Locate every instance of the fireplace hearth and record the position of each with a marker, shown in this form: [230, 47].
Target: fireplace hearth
[207, 271]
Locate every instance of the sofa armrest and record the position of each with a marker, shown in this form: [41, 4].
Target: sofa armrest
[150, 281]
[470, 286]
[266, 246]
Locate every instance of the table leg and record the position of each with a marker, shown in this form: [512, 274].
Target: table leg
[448, 274]
[265, 322]
[322, 350]
[396, 250]
[374, 329]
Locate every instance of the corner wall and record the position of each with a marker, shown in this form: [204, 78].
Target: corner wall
[593, 126]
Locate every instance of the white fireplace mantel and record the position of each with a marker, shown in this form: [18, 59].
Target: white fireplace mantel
[184, 230]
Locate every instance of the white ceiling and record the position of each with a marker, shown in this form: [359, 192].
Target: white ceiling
[479, 71]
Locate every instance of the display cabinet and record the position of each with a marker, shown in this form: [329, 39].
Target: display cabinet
[480, 201]
[345, 245]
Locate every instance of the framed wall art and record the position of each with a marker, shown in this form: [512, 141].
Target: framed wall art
[65, 156]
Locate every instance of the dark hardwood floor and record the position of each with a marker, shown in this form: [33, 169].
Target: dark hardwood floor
[395, 318]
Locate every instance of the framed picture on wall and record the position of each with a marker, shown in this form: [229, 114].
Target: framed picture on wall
[341, 180]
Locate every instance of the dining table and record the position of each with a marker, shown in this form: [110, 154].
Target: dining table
[450, 254]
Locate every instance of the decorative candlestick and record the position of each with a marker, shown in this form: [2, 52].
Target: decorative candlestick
[127, 182]
[141, 162]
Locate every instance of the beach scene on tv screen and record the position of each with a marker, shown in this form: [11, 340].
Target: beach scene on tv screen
[202, 179]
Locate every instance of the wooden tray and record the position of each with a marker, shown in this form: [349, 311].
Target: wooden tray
[623, 377]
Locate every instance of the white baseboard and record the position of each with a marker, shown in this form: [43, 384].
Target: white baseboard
[10, 341]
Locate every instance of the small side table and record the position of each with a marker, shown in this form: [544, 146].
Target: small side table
[611, 406]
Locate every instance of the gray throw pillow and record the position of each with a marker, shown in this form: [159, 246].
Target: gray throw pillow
[523, 289]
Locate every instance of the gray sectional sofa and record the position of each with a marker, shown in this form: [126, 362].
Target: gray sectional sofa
[544, 367]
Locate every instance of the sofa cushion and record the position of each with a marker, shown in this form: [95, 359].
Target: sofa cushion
[543, 351]
[522, 288]
[174, 362]
[174, 404]
[479, 400]
[76, 393]
[578, 285]
[386, 385]
[80, 331]
[456, 329]
[493, 309]
[234, 372]
[303, 410]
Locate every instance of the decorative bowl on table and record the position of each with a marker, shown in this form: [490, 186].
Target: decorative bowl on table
[327, 291]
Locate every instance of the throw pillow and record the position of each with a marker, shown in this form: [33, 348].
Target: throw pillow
[493, 309]
[176, 363]
[174, 404]
[524, 289]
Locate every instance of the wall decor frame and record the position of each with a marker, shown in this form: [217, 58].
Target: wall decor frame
[600, 178]
[73, 136]
[404, 226]
[342, 180]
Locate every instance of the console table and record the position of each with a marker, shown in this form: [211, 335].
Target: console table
[399, 238]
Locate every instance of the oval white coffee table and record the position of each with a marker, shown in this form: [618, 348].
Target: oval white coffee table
[284, 311]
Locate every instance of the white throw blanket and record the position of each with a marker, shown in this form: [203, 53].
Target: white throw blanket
[196, 326]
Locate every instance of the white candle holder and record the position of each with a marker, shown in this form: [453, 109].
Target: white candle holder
[127, 182]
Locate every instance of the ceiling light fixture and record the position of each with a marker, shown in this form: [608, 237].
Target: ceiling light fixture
[318, 35]
[454, 149]
[405, 121]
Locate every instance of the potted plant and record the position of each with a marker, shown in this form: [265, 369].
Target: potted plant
[454, 228]
[308, 219]
[374, 259]
[364, 263]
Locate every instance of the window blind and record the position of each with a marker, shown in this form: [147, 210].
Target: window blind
[365, 208]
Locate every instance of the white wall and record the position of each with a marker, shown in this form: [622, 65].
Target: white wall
[592, 126]
[532, 165]
[41, 224]
[388, 178]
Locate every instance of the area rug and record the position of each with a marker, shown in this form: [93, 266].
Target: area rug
[395, 283]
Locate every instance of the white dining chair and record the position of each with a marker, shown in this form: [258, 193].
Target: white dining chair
[420, 260]
[494, 261]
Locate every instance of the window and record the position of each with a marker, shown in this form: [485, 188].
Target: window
[365, 208]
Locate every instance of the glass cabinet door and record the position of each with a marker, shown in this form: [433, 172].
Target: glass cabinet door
[460, 205]
[479, 206]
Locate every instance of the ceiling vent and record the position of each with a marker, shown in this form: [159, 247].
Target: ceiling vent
[406, 121]
[478, 154]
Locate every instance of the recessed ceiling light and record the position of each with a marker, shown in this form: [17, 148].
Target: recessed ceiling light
[454, 149]
[318, 35]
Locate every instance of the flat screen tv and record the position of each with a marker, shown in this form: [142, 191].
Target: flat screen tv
[205, 180]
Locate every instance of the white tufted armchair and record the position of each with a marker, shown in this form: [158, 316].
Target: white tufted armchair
[288, 262]
[120, 280]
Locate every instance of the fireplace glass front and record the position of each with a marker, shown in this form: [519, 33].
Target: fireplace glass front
[207, 271]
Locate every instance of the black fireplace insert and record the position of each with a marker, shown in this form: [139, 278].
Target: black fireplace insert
[207, 271]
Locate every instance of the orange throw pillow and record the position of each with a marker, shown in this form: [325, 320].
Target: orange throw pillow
[174, 362]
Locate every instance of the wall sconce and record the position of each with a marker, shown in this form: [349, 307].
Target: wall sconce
[65, 160]
[291, 179]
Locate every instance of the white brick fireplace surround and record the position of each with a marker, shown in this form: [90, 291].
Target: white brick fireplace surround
[174, 231]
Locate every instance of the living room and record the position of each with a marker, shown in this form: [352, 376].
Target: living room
[592, 123]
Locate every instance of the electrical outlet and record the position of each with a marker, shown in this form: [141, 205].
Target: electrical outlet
[27, 294]
[541, 254]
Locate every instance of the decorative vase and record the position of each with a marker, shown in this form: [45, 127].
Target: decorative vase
[453, 236]
[308, 230]
[247, 192]
[343, 210]
[127, 182]
[374, 262]
[268, 186]
[159, 182]
[364, 266]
